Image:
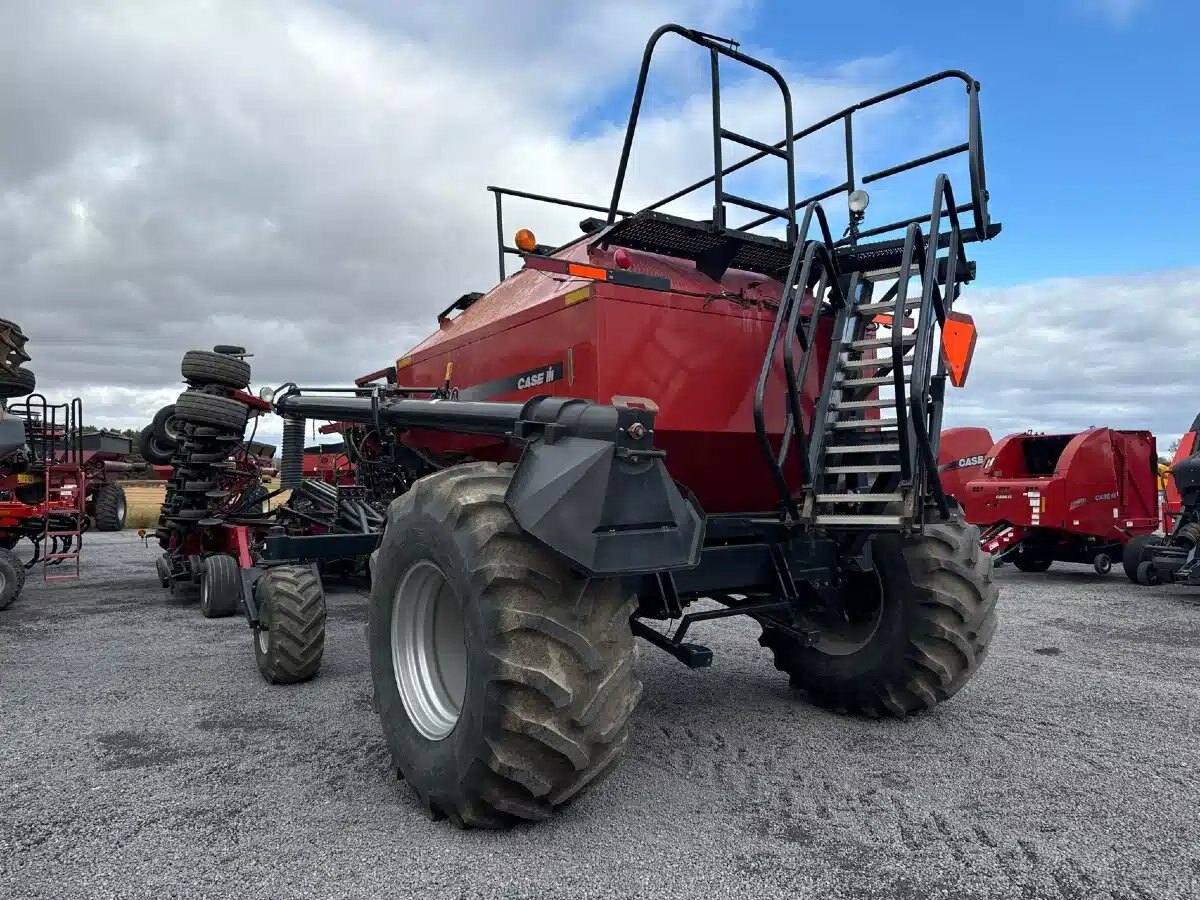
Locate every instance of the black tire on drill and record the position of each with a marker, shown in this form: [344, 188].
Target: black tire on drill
[934, 615]
[225, 413]
[220, 587]
[1136, 552]
[151, 450]
[17, 384]
[289, 640]
[165, 427]
[545, 685]
[1028, 561]
[203, 367]
[110, 507]
[12, 578]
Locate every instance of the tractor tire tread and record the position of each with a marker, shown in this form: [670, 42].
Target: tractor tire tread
[292, 606]
[198, 408]
[953, 618]
[111, 507]
[13, 571]
[204, 367]
[560, 654]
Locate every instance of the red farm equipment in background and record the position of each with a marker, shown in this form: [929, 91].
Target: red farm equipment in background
[1042, 498]
[329, 462]
[961, 456]
[55, 477]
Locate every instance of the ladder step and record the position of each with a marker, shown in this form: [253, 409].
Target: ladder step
[906, 340]
[876, 380]
[874, 309]
[863, 448]
[851, 424]
[884, 403]
[838, 519]
[60, 556]
[61, 533]
[889, 361]
[859, 498]
[862, 470]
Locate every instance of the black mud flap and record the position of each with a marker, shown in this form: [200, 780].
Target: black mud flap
[609, 511]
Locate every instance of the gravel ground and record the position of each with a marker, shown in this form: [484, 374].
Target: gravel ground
[141, 755]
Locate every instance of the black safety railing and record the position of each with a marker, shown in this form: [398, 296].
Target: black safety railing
[718, 47]
[973, 147]
[502, 192]
[54, 431]
[918, 417]
[813, 262]
[980, 228]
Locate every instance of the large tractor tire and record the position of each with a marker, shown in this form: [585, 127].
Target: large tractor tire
[12, 578]
[220, 587]
[152, 450]
[17, 383]
[911, 634]
[198, 408]
[1137, 552]
[203, 367]
[110, 507]
[166, 428]
[289, 640]
[503, 679]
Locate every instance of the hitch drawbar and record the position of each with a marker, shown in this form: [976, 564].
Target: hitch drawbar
[589, 483]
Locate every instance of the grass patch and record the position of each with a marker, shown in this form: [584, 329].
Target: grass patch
[143, 502]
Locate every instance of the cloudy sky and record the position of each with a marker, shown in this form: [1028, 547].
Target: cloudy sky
[308, 178]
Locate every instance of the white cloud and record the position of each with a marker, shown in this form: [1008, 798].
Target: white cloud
[1068, 353]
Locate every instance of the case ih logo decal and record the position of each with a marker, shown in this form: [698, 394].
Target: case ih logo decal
[1075, 504]
[965, 463]
[533, 378]
[540, 377]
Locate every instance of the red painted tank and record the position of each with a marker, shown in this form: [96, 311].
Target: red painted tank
[695, 350]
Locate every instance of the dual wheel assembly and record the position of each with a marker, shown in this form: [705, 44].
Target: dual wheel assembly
[505, 681]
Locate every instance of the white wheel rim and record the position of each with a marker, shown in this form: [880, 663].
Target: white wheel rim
[429, 652]
[264, 640]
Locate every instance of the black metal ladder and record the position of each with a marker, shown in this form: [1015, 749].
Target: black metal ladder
[879, 419]
[869, 457]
